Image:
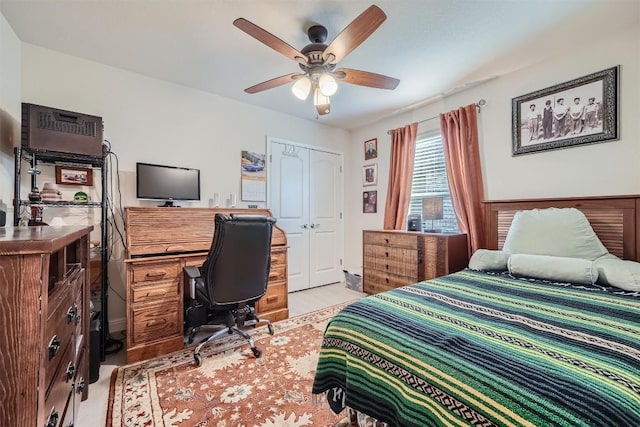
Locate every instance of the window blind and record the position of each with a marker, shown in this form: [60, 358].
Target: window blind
[430, 180]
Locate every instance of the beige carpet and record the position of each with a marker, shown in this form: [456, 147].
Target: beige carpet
[231, 388]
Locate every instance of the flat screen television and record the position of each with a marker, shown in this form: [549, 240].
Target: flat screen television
[168, 183]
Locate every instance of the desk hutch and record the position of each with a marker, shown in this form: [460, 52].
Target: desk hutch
[161, 241]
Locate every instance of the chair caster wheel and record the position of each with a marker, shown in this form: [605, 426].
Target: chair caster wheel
[198, 359]
[271, 331]
[256, 352]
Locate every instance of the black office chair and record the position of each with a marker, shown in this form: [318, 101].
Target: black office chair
[234, 276]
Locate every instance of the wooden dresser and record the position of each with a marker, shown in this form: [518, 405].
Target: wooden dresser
[160, 243]
[44, 318]
[396, 258]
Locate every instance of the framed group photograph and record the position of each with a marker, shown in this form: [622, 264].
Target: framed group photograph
[370, 174]
[369, 201]
[371, 149]
[577, 112]
[71, 175]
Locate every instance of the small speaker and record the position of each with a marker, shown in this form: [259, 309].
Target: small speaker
[414, 222]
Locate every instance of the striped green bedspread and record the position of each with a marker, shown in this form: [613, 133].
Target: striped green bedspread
[474, 348]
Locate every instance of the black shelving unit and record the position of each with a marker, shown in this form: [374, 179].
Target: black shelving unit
[35, 158]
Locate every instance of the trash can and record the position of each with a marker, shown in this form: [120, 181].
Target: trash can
[353, 281]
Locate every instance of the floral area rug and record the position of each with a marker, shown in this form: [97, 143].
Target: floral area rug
[231, 387]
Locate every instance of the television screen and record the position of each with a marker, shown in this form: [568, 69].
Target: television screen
[168, 183]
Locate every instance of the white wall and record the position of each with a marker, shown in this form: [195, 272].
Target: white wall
[149, 120]
[600, 169]
[10, 98]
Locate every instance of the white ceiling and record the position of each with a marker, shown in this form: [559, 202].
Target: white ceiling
[432, 46]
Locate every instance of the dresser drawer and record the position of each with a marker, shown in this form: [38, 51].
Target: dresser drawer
[391, 239]
[276, 297]
[155, 271]
[154, 291]
[386, 253]
[377, 281]
[59, 390]
[58, 336]
[403, 267]
[155, 322]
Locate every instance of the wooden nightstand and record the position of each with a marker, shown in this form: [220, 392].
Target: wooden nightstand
[397, 258]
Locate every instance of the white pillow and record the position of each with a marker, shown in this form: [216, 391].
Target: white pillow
[485, 259]
[555, 232]
[558, 269]
[619, 273]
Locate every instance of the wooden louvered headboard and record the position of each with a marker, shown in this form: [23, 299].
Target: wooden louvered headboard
[615, 219]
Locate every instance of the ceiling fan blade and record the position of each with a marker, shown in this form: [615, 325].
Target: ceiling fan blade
[270, 84]
[270, 40]
[354, 34]
[365, 78]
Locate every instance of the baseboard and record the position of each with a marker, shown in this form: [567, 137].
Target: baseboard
[117, 325]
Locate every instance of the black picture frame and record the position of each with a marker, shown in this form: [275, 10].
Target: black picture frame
[597, 93]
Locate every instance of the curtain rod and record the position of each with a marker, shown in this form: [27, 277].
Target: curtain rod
[478, 105]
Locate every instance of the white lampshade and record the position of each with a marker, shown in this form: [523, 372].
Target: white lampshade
[301, 88]
[327, 84]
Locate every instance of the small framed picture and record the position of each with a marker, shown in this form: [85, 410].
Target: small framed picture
[369, 201]
[69, 175]
[371, 149]
[370, 175]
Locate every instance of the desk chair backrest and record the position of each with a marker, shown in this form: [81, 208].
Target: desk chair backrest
[238, 263]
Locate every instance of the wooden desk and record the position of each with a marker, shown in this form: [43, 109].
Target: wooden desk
[160, 243]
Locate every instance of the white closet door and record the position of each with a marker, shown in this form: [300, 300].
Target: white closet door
[325, 201]
[289, 203]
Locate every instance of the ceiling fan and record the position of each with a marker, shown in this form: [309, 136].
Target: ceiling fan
[318, 60]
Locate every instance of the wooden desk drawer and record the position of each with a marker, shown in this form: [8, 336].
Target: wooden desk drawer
[155, 271]
[277, 273]
[278, 257]
[154, 292]
[155, 322]
[276, 297]
[391, 239]
[58, 336]
[409, 256]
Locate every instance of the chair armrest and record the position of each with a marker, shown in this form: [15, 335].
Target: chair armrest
[192, 271]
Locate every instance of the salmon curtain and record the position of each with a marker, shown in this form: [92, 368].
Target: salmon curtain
[403, 151]
[462, 158]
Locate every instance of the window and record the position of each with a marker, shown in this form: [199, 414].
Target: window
[430, 180]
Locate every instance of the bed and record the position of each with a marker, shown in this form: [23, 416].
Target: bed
[486, 348]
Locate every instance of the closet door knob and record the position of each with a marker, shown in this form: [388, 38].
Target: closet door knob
[305, 226]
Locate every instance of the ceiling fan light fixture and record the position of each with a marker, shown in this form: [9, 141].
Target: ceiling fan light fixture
[328, 85]
[320, 99]
[301, 88]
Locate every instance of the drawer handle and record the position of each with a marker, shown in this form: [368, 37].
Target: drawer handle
[386, 240]
[156, 293]
[386, 254]
[386, 279]
[80, 385]
[176, 248]
[387, 266]
[53, 418]
[155, 322]
[70, 372]
[272, 298]
[78, 316]
[156, 274]
[54, 346]
[72, 313]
